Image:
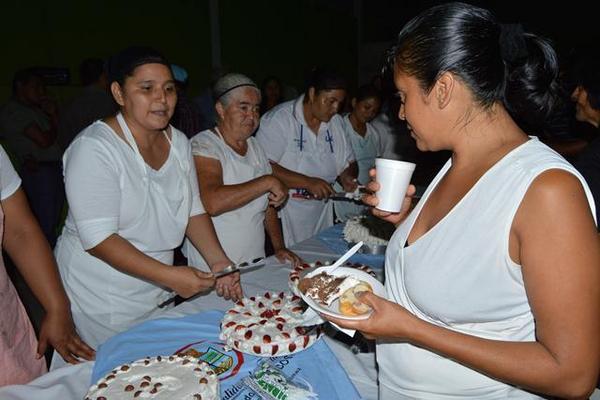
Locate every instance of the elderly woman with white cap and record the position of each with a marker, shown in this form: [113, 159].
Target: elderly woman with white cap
[236, 183]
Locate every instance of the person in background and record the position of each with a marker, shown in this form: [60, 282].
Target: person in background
[586, 97]
[237, 187]
[93, 103]
[271, 93]
[187, 117]
[205, 101]
[21, 356]
[133, 197]
[365, 142]
[305, 143]
[29, 123]
[492, 280]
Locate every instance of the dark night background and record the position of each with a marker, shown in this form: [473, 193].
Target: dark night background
[258, 38]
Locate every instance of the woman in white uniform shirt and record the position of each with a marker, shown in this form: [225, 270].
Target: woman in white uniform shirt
[305, 142]
[234, 176]
[365, 142]
[133, 196]
[493, 279]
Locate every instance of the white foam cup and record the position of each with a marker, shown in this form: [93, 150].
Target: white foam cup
[393, 177]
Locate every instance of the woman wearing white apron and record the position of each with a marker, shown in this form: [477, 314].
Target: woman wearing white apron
[492, 280]
[236, 185]
[305, 143]
[133, 196]
[365, 142]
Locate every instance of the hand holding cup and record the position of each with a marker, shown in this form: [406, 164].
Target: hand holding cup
[390, 205]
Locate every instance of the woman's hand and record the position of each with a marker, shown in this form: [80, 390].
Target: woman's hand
[278, 191]
[378, 324]
[284, 255]
[370, 199]
[319, 188]
[229, 287]
[187, 281]
[348, 183]
[58, 330]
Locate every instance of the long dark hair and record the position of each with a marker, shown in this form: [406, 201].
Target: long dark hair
[499, 63]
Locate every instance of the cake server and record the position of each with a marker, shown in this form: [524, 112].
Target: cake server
[257, 262]
[230, 269]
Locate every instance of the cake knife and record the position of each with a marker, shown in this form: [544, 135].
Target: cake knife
[230, 269]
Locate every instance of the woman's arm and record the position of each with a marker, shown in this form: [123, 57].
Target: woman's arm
[123, 256]
[201, 233]
[555, 241]
[273, 229]
[218, 198]
[316, 186]
[27, 247]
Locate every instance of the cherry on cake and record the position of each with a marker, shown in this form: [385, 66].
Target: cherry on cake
[268, 325]
[159, 378]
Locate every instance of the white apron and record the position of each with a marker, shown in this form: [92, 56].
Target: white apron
[240, 231]
[105, 301]
[302, 218]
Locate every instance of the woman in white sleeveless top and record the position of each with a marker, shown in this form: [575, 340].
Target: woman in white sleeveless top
[235, 179]
[493, 280]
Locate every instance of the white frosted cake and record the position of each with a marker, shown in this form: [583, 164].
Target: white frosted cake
[162, 377]
[268, 325]
[356, 231]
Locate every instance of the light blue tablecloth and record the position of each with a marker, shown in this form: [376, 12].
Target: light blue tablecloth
[316, 365]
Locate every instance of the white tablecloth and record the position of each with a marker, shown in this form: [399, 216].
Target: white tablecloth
[72, 382]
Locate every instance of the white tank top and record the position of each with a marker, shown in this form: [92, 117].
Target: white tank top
[459, 275]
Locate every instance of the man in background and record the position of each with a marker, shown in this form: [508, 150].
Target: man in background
[28, 122]
[586, 96]
[93, 103]
[187, 117]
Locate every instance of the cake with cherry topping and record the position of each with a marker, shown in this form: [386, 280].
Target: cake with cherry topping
[159, 378]
[268, 325]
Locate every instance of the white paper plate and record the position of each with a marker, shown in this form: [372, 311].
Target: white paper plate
[333, 308]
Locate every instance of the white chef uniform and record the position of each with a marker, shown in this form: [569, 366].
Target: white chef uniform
[240, 231]
[288, 141]
[111, 190]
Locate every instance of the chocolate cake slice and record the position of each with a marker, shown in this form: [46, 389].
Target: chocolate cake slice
[325, 288]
